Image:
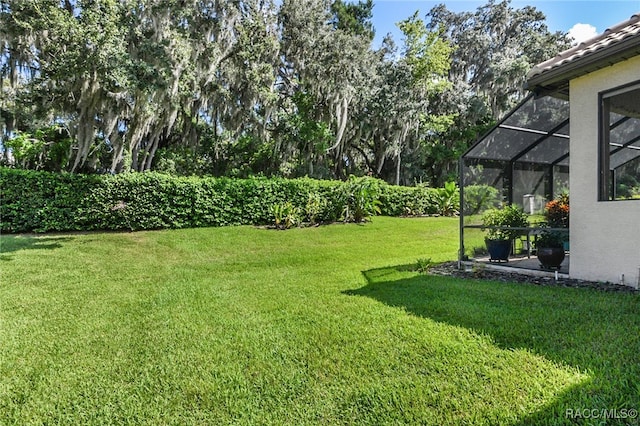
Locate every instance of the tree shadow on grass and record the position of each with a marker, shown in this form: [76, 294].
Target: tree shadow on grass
[14, 243]
[597, 332]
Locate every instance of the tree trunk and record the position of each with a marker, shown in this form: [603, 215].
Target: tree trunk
[398, 161]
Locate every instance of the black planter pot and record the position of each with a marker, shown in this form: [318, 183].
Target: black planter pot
[499, 250]
[550, 257]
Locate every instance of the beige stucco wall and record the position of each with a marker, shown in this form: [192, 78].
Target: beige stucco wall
[605, 235]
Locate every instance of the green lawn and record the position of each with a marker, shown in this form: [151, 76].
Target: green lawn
[327, 325]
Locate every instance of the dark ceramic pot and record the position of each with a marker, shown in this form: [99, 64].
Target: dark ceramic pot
[550, 257]
[499, 250]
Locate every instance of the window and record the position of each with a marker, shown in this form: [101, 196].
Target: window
[619, 174]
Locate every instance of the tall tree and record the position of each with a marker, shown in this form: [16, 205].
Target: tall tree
[286, 88]
[125, 75]
[495, 46]
[353, 18]
[333, 66]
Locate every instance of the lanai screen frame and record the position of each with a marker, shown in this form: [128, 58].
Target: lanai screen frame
[532, 136]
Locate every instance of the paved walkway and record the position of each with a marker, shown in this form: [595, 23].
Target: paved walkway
[525, 265]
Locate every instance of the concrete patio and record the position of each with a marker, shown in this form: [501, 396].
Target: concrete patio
[521, 265]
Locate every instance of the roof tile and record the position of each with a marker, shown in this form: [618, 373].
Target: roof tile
[616, 34]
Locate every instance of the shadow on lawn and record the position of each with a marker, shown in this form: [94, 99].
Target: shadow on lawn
[13, 243]
[594, 331]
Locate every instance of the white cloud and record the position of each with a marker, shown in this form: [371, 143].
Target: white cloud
[582, 32]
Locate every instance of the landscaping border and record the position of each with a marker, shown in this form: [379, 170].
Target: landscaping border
[34, 201]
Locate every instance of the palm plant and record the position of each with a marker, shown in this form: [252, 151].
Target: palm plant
[361, 199]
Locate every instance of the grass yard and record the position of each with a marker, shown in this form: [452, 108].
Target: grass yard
[327, 325]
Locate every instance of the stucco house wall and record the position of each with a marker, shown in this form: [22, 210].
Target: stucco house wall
[605, 235]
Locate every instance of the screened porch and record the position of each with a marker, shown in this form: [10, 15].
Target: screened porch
[523, 160]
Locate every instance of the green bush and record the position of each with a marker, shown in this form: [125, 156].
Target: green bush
[316, 205]
[478, 198]
[448, 199]
[510, 216]
[407, 200]
[285, 215]
[41, 202]
[361, 199]
[47, 148]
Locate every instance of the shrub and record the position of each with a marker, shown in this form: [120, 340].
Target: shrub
[285, 215]
[448, 199]
[47, 148]
[33, 201]
[478, 198]
[360, 199]
[407, 200]
[550, 239]
[556, 212]
[509, 216]
[627, 186]
[424, 264]
[41, 201]
[316, 204]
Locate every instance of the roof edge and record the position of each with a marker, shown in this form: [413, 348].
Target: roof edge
[599, 59]
[578, 60]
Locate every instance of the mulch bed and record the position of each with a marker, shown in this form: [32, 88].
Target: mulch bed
[451, 269]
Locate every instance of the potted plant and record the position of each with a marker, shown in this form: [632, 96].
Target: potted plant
[550, 245]
[550, 249]
[499, 224]
[556, 212]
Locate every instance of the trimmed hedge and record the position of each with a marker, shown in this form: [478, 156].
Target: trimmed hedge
[40, 202]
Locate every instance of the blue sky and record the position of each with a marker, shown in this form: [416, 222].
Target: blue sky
[562, 15]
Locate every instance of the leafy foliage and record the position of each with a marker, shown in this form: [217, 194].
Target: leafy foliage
[495, 46]
[361, 199]
[448, 199]
[286, 88]
[550, 239]
[556, 215]
[285, 215]
[46, 149]
[510, 216]
[556, 212]
[407, 201]
[42, 201]
[353, 18]
[316, 204]
[627, 183]
[424, 264]
[478, 198]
